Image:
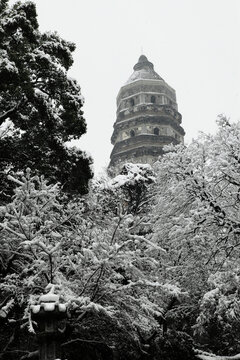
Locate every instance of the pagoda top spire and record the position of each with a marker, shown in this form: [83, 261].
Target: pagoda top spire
[142, 62]
[143, 69]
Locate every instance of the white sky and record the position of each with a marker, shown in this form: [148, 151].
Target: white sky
[193, 44]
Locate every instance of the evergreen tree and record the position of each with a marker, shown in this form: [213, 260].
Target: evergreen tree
[40, 106]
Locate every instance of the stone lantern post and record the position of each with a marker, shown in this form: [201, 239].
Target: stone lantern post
[49, 315]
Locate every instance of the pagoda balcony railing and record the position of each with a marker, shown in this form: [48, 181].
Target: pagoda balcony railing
[148, 108]
[143, 140]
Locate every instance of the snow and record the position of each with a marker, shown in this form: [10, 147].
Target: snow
[8, 65]
[49, 297]
[208, 356]
[173, 290]
[40, 93]
[49, 306]
[143, 239]
[144, 74]
[62, 307]
[42, 55]
[6, 128]
[131, 174]
[35, 309]
[49, 302]
[211, 295]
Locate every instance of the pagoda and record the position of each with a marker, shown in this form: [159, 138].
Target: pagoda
[147, 118]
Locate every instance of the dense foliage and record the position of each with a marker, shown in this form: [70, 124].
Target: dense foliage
[94, 253]
[147, 262]
[197, 222]
[40, 106]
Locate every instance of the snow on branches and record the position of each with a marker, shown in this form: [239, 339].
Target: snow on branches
[197, 220]
[90, 249]
[40, 105]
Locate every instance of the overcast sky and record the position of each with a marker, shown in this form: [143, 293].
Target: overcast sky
[193, 44]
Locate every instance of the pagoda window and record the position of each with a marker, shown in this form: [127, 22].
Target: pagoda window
[132, 133]
[153, 99]
[156, 131]
[132, 102]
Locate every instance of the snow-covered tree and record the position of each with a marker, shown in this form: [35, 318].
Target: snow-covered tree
[134, 181]
[40, 105]
[197, 223]
[91, 250]
[219, 313]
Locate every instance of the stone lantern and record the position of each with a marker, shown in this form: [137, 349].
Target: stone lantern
[49, 315]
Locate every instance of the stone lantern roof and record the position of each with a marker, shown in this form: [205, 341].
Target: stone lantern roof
[143, 70]
[49, 303]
